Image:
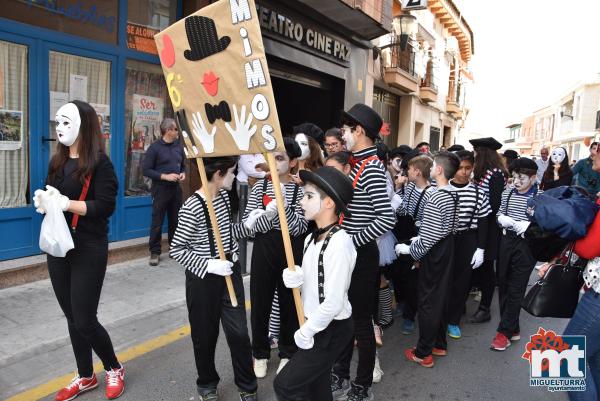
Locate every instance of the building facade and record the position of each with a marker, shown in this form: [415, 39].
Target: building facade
[420, 75]
[103, 52]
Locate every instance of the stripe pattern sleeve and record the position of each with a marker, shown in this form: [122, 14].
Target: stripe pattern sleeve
[472, 205]
[439, 220]
[190, 245]
[514, 204]
[370, 209]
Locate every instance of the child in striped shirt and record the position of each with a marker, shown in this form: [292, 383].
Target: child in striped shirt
[515, 261]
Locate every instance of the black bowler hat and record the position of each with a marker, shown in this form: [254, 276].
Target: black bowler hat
[334, 183]
[523, 163]
[488, 142]
[366, 117]
[203, 39]
[292, 148]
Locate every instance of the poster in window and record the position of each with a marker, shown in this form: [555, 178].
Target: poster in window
[103, 112]
[57, 100]
[78, 85]
[145, 122]
[141, 38]
[11, 129]
[218, 80]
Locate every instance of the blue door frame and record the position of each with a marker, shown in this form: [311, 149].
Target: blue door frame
[19, 227]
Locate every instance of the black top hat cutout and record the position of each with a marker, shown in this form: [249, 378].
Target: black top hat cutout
[203, 38]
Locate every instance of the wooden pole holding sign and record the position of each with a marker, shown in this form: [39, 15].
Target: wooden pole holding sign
[285, 232]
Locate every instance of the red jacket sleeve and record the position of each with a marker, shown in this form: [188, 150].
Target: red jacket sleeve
[589, 246]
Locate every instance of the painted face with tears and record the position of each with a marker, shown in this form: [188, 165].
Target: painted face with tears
[522, 182]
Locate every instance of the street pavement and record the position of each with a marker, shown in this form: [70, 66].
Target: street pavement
[140, 303]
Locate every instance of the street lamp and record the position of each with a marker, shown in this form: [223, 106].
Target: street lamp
[408, 26]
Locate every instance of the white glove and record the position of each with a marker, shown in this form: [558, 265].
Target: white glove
[293, 279]
[220, 267]
[39, 201]
[505, 221]
[477, 259]
[303, 341]
[253, 217]
[62, 200]
[396, 201]
[402, 249]
[521, 226]
[271, 210]
[413, 239]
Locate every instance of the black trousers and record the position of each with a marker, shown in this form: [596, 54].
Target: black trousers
[515, 264]
[268, 263]
[208, 303]
[361, 296]
[434, 284]
[406, 282]
[307, 375]
[166, 199]
[485, 277]
[465, 244]
[77, 282]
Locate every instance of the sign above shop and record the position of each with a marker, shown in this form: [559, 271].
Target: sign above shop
[300, 33]
[414, 4]
[141, 38]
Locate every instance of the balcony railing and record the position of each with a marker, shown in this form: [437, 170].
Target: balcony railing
[403, 59]
[429, 80]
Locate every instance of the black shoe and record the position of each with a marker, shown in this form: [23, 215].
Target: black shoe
[154, 259]
[208, 394]
[248, 396]
[359, 393]
[481, 316]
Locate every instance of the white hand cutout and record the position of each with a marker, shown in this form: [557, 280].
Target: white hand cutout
[199, 129]
[243, 128]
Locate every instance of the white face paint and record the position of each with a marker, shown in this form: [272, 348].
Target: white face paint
[311, 202]
[228, 179]
[522, 182]
[68, 122]
[302, 141]
[558, 155]
[349, 138]
[396, 162]
[283, 163]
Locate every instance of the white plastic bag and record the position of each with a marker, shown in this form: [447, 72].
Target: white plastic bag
[55, 237]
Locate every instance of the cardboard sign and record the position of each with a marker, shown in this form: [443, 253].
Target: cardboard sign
[218, 80]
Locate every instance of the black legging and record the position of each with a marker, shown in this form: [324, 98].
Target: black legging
[77, 282]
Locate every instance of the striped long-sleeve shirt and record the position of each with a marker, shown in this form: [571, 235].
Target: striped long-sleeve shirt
[410, 201]
[294, 214]
[473, 205]
[514, 204]
[493, 183]
[190, 245]
[370, 209]
[440, 219]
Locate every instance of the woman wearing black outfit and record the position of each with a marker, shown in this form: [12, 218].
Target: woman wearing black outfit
[77, 278]
[558, 172]
[490, 174]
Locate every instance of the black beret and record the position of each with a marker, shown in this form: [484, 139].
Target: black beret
[456, 148]
[524, 163]
[488, 142]
[510, 154]
[400, 151]
[309, 129]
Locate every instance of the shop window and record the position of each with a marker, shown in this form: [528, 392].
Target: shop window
[14, 126]
[80, 78]
[145, 18]
[90, 19]
[146, 104]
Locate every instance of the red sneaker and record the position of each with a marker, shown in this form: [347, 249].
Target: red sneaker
[439, 352]
[115, 383]
[500, 342]
[78, 385]
[426, 362]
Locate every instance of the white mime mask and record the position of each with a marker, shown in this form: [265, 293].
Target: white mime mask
[558, 155]
[68, 122]
[302, 141]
